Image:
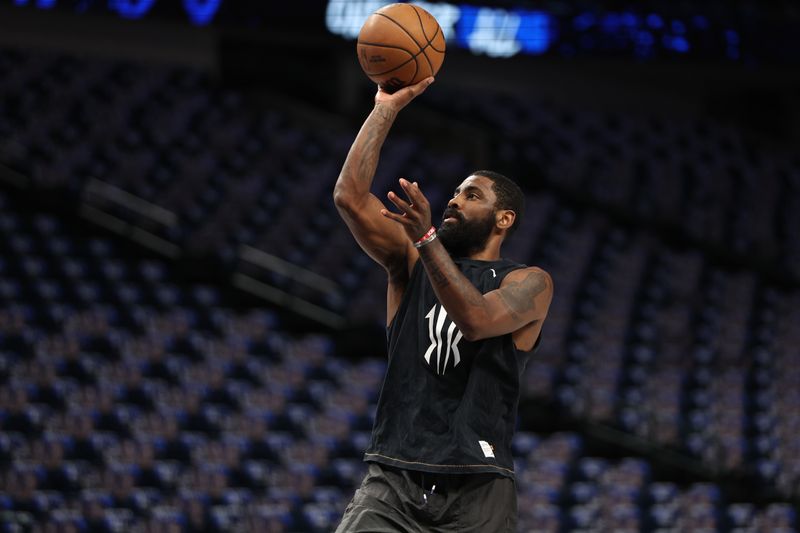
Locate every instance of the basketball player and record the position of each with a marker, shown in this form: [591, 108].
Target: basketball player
[461, 324]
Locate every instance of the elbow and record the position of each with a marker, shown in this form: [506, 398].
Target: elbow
[342, 199]
[346, 197]
[471, 320]
[471, 331]
[338, 197]
[470, 336]
[477, 325]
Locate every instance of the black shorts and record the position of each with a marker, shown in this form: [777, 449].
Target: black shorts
[394, 500]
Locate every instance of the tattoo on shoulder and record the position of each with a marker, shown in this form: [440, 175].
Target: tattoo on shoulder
[520, 295]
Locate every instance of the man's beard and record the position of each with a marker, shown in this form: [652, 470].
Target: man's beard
[463, 238]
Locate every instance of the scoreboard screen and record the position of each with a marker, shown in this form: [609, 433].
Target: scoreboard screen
[640, 31]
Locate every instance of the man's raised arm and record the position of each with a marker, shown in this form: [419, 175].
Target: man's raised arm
[382, 239]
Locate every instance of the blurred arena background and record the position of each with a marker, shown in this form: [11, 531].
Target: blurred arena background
[190, 339]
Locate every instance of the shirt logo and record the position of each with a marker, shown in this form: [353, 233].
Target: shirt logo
[488, 449]
[444, 338]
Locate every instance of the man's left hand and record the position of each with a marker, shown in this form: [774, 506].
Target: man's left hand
[415, 214]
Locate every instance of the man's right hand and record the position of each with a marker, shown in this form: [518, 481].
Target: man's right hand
[401, 98]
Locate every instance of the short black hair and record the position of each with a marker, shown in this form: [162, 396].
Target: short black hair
[509, 195]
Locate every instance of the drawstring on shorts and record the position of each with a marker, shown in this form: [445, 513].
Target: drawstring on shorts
[424, 494]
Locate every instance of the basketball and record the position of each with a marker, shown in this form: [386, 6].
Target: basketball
[400, 45]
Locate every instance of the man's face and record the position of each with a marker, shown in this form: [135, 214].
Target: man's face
[469, 218]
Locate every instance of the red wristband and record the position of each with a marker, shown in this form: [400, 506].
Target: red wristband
[425, 239]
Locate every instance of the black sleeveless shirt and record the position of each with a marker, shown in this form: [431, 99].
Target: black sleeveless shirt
[447, 405]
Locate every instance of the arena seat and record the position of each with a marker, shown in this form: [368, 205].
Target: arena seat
[131, 396]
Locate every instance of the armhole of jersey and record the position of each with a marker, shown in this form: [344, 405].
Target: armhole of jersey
[512, 267]
[404, 300]
[536, 344]
[518, 266]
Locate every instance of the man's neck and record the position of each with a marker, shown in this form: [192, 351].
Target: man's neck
[490, 252]
[484, 255]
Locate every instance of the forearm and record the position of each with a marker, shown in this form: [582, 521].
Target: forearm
[465, 305]
[355, 178]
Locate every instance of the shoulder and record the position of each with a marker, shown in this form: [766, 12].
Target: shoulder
[530, 277]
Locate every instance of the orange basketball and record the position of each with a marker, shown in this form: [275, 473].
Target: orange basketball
[400, 45]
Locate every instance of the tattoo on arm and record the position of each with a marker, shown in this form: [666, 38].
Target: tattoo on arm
[385, 113]
[520, 296]
[366, 150]
[438, 278]
[445, 275]
[369, 161]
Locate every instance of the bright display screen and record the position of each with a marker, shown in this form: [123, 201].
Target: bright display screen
[500, 29]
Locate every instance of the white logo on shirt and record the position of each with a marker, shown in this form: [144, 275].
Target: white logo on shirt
[452, 336]
[488, 449]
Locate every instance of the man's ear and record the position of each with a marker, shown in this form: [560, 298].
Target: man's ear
[505, 218]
